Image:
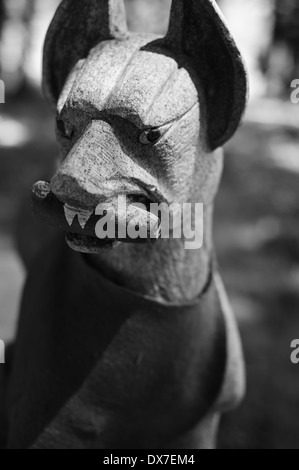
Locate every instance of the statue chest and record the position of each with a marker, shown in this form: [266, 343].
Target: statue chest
[123, 357]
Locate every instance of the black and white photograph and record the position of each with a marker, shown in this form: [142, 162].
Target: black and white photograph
[149, 241]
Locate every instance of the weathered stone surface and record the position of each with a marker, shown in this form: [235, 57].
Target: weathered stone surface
[76, 28]
[111, 88]
[198, 29]
[190, 84]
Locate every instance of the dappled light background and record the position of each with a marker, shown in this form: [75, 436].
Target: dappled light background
[256, 221]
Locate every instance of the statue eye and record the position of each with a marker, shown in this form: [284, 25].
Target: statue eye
[65, 129]
[150, 137]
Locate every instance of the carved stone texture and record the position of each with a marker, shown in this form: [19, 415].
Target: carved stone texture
[110, 88]
[147, 356]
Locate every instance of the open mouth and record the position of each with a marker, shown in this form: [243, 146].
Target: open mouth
[81, 225]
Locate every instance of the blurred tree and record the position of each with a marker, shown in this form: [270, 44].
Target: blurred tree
[284, 57]
[24, 29]
[14, 41]
[148, 15]
[251, 22]
[2, 15]
[287, 26]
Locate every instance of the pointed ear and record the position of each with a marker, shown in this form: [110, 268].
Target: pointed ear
[197, 29]
[78, 25]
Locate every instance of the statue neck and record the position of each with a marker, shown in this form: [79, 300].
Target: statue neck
[165, 271]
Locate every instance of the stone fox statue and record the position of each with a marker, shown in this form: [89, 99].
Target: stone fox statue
[129, 343]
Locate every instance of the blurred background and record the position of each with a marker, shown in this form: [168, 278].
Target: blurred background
[257, 223]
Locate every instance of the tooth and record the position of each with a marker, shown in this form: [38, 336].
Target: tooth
[83, 216]
[70, 214]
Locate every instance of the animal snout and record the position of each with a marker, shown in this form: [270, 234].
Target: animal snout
[75, 190]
